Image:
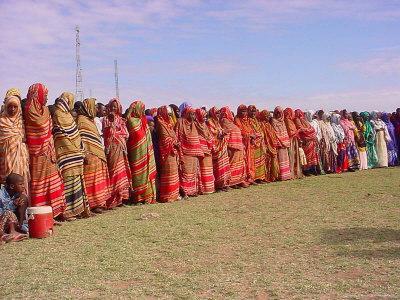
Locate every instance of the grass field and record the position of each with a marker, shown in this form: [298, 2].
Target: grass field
[332, 236]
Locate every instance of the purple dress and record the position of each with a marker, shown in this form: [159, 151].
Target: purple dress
[391, 145]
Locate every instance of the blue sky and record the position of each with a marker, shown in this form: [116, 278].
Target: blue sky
[302, 53]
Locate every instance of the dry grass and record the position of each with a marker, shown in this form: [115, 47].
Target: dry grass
[333, 236]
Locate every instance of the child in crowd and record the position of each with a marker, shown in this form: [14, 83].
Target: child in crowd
[303, 158]
[13, 204]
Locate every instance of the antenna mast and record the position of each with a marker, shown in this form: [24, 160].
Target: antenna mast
[78, 77]
[116, 78]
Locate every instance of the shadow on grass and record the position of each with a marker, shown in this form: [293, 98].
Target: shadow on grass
[389, 253]
[363, 236]
[359, 234]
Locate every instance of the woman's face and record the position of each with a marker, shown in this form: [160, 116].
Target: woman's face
[252, 112]
[243, 112]
[114, 107]
[12, 109]
[191, 116]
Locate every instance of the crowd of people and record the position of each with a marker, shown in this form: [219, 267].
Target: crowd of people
[84, 158]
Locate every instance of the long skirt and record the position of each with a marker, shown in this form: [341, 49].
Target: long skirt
[332, 161]
[189, 177]
[237, 166]
[371, 155]
[97, 182]
[168, 179]
[363, 159]
[324, 153]
[392, 157]
[353, 156]
[294, 159]
[342, 159]
[310, 150]
[222, 170]
[381, 149]
[206, 181]
[120, 175]
[149, 195]
[259, 163]
[75, 196]
[272, 167]
[284, 164]
[47, 187]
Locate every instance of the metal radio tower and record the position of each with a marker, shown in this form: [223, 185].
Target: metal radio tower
[78, 82]
[116, 78]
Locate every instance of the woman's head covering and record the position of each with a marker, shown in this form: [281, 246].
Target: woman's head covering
[278, 113]
[226, 113]
[89, 107]
[183, 106]
[136, 110]
[212, 113]
[309, 115]
[69, 99]
[374, 115]
[119, 112]
[335, 118]
[365, 116]
[13, 92]
[12, 100]
[240, 108]
[201, 115]
[187, 111]
[163, 114]
[385, 118]
[264, 115]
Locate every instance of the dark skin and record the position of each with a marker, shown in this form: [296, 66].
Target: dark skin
[12, 109]
[191, 117]
[17, 189]
[242, 113]
[100, 110]
[320, 114]
[113, 110]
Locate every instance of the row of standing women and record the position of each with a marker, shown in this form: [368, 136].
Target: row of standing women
[170, 153]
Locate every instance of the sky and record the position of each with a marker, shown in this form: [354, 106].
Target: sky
[309, 54]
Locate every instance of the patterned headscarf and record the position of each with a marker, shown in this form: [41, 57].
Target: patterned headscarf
[12, 141]
[91, 138]
[13, 92]
[38, 123]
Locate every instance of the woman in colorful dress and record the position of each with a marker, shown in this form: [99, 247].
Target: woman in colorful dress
[330, 143]
[392, 143]
[235, 149]
[279, 126]
[95, 170]
[70, 157]
[342, 159]
[258, 145]
[191, 151]
[168, 157]
[206, 139]
[348, 127]
[308, 136]
[115, 136]
[219, 151]
[141, 155]
[46, 185]
[248, 135]
[294, 153]
[369, 136]
[14, 156]
[271, 143]
[360, 141]
[381, 138]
